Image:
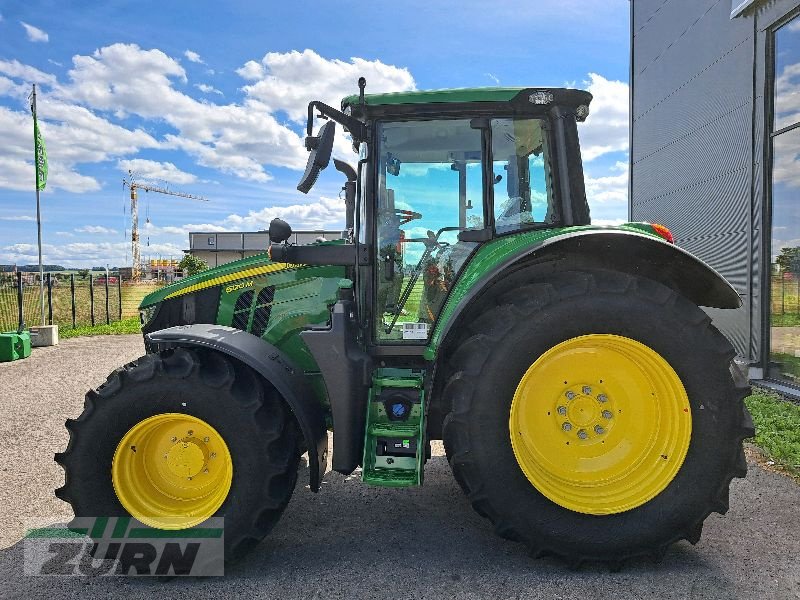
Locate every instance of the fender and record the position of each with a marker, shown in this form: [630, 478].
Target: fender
[272, 364]
[626, 251]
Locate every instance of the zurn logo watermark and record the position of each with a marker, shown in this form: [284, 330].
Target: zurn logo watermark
[97, 546]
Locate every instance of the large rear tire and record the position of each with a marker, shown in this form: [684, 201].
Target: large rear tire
[594, 416]
[190, 415]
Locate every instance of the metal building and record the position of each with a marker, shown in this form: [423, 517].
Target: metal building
[715, 156]
[220, 248]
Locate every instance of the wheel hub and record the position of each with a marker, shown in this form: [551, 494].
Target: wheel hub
[587, 410]
[600, 424]
[187, 458]
[172, 471]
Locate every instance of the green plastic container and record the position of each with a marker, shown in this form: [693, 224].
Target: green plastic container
[14, 346]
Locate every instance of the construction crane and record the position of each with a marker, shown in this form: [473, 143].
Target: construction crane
[134, 186]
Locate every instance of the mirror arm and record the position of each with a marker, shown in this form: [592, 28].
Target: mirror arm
[356, 128]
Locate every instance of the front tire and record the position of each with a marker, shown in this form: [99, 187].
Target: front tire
[177, 437]
[531, 437]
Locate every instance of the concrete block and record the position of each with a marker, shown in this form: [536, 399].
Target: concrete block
[44, 335]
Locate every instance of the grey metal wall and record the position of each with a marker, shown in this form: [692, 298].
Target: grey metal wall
[692, 139]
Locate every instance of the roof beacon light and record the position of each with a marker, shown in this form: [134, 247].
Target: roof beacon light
[664, 232]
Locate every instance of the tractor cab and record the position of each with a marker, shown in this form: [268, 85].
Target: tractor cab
[440, 173]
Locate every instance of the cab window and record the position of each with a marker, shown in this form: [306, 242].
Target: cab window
[523, 190]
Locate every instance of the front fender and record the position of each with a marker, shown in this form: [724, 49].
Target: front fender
[625, 251]
[272, 364]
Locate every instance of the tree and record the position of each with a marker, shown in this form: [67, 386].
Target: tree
[190, 264]
[789, 260]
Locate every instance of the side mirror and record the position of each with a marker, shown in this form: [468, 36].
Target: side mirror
[279, 231]
[320, 148]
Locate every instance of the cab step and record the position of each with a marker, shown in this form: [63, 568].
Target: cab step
[394, 444]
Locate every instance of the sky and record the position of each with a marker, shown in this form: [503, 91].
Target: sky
[210, 99]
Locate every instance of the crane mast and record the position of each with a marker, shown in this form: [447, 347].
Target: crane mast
[134, 187]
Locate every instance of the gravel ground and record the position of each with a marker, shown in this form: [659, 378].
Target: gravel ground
[351, 540]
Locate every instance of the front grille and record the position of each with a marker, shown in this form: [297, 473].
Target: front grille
[263, 310]
[241, 311]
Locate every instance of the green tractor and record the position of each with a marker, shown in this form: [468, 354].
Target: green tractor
[587, 405]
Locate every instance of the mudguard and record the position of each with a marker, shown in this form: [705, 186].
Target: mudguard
[274, 365]
[625, 251]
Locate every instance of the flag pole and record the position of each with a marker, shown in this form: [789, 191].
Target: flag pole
[38, 212]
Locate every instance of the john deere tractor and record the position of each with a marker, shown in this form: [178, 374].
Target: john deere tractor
[588, 406]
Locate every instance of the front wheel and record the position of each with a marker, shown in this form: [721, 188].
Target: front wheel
[594, 416]
[175, 438]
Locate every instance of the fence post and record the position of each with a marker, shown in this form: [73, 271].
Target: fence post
[108, 319]
[21, 323]
[49, 298]
[91, 297]
[72, 296]
[119, 294]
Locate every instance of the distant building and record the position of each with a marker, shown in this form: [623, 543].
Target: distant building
[220, 248]
[715, 156]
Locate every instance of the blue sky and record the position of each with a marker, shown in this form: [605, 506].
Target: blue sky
[209, 99]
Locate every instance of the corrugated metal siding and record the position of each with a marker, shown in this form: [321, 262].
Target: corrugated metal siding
[691, 140]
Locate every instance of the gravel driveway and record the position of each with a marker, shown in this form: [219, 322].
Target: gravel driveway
[352, 541]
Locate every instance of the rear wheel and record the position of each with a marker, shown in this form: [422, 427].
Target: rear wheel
[175, 438]
[594, 416]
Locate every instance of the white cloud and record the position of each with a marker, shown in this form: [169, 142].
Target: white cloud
[96, 229]
[124, 80]
[493, 77]
[606, 128]
[609, 188]
[321, 214]
[207, 89]
[54, 62]
[193, 57]
[288, 81]
[34, 33]
[25, 73]
[65, 234]
[83, 254]
[18, 218]
[154, 170]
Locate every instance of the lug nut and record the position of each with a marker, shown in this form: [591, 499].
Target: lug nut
[173, 439]
[587, 390]
[213, 455]
[602, 398]
[562, 410]
[205, 439]
[607, 414]
[582, 434]
[599, 430]
[191, 432]
[570, 395]
[566, 426]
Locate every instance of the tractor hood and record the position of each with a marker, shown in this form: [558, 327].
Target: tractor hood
[224, 275]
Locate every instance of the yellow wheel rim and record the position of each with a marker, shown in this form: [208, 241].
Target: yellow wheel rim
[600, 424]
[172, 471]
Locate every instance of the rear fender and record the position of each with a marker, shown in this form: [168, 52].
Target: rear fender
[272, 364]
[624, 251]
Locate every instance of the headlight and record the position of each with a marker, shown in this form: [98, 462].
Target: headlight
[146, 314]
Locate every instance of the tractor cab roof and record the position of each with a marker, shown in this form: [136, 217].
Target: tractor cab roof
[497, 99]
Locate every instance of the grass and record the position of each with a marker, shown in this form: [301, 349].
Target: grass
[777, 428]
[130, 325]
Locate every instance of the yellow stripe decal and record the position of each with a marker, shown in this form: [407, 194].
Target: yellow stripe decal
[232, 277]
